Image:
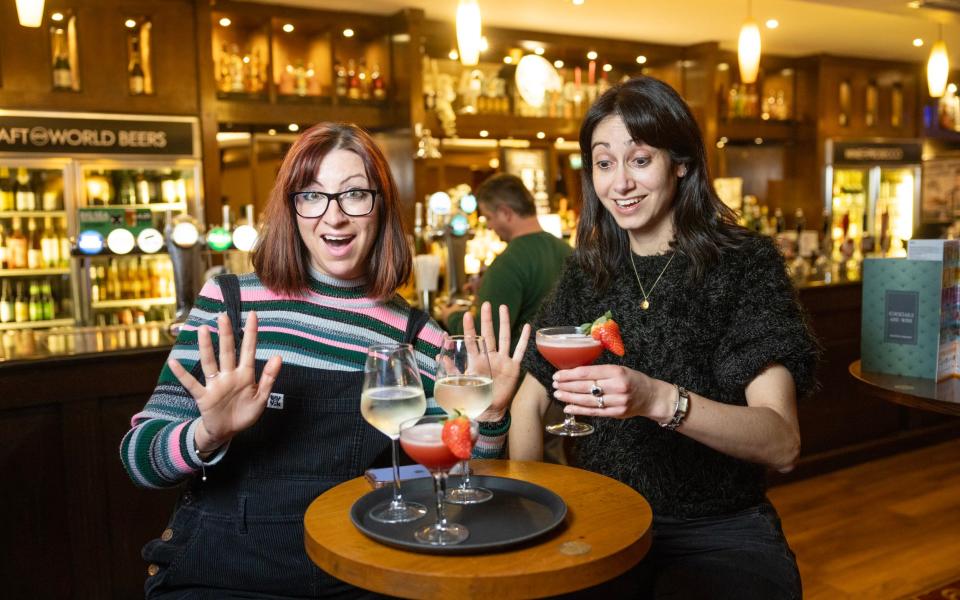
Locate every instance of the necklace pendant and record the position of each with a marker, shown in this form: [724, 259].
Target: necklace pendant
[645, 304]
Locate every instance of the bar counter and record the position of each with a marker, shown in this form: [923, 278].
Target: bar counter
[74, 524]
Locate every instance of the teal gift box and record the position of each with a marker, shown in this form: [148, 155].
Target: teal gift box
[911, 312]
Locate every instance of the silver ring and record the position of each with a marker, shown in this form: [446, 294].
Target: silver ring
[596, 390]
[209, 377]
[600, 402]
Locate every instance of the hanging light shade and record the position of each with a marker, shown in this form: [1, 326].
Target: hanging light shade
[535, 77]
[30, 12]
[748, 51]
[938, 69]
[468, 32]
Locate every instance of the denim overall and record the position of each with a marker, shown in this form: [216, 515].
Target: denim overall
[241, 530]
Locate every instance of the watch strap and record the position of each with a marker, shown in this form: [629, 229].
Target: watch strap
[679, 410]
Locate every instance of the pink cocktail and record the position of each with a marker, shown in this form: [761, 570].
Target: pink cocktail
[423, 444]
[567, 348]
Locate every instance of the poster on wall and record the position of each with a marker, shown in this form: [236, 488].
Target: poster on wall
[940, 198]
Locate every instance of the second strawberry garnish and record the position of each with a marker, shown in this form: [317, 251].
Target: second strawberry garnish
[606, 330]
[456, 435]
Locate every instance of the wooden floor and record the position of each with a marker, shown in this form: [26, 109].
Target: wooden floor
[884, 529]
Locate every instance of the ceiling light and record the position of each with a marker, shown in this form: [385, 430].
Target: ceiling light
[468, 32]
[938, 68]
[541, 135]
[225, 22]
[913, 4]
[271, 131]
[508, 60]
[558, 64]
[723, 66]
[560, 140]
[592, 55]
[607, 67]
[130, 23]
[538, 50]
[952, 88]
[484, 133]
[288, 27]
[56, 17]
[293, 127]
[772, 23]
[577, 2]
[535, 77]
[453, 55]
[917, 42]
[348, 32]
[30, 12]
[748, 48]
[641, 59]
[758, 140]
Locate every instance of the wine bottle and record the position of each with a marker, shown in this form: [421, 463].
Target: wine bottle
[7, 200]
[48, 308]
[35, 246]
[34, 307]
[135, 75]
[17, 247]
[3, 247]
[21, 305]
[49, 245]
[377, 83]
[6, 303]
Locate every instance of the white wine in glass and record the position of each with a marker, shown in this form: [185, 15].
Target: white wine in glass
[393, 393]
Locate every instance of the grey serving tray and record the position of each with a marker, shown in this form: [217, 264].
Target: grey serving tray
[519, 512]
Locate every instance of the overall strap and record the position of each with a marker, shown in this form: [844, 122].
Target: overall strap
[415, 322]
[230, 287]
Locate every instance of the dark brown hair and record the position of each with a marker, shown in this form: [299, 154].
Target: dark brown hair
[656, 115]
[507, 190]
[280, 257]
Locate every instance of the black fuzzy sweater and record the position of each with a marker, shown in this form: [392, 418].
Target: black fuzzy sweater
[712, 338]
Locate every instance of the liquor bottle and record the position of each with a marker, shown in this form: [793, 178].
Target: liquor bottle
[21, 305]
[25, 198]
[17, 247]
[363, 76]
[7, 199]
[94, 284]
[136, 282]
[300, 79]
[64, 241]
[340, 78]
[34, 247]
[126, 190]
[353, 81]
[49, 245]
[48, 304]
[6, 303]
[34, 308]
[780, 224]
[135, 75]
[62, 74]
[377, 83]
[885, 231]
[3, 247]
[867, 243]
[114, 288]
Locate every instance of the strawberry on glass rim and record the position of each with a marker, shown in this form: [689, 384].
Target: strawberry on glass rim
[607, 332]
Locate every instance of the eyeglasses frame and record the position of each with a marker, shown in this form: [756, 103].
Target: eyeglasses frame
[331, 198]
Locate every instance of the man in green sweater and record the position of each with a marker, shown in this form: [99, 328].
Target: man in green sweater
[526, 271]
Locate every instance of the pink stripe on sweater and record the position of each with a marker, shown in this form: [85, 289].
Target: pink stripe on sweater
[173, 443]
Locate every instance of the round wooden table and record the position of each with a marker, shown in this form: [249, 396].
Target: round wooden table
[937, 396]
[606, 532]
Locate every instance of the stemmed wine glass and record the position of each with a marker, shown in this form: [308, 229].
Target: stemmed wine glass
[566, 348]
[392, 393]
[464, 384]
[422, 440]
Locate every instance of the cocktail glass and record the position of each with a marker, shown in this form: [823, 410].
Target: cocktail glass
[393, 393]
[464, 384]
[422, 440]
[566, 348]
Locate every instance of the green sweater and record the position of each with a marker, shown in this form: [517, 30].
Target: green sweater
[521, 277]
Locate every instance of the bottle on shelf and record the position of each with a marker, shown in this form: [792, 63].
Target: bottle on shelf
[340, 78]
[62, 73]
[25, 198]
[136, 79]
[353, 80]
[867, 242]
[47, 302]
[34, 306]
[7, 198]
[49, 245]
[377, 83]
[363, 76]
[17, 246]
[64, 241]
[35, 245]
[3, 247]
[300, 79]
[6, 303]
[94, 284]
[21, 305]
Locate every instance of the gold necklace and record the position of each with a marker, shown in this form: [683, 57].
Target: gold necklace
[646, 302]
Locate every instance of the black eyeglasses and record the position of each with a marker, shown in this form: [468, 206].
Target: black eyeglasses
[313, 205]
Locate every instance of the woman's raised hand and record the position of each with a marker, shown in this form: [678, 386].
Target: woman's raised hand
[505, 367]
[231, 400]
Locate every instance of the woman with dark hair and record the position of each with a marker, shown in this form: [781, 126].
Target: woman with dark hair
[256, 443]
[717, 351]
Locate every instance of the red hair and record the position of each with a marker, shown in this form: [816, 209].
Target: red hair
[280, 257]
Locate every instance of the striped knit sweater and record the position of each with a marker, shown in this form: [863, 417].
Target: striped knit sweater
[328, 328]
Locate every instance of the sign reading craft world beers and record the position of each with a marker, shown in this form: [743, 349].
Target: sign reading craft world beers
[77, 135]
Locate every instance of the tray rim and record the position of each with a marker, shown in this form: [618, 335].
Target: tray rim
[559, 510]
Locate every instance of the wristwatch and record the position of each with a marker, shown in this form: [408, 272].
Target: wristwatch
[680, 408]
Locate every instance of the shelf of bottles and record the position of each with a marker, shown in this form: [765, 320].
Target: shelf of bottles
[133, 289]
[35, 289]
[64, 61]
[139, 51]
[770, 98]
[304, 60]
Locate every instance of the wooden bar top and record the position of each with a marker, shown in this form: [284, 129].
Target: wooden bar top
[928, 394]
[607, 530]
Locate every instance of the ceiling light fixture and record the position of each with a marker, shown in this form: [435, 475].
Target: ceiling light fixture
[30, 12]
[225, 22]
[748, 48]
[288, 27]
[772, 23]
[917, 42]
[468, 32]
[938, 68]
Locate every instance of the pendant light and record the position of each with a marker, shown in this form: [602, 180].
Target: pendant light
[468, 32]
[748, 48]
[938, 68]
[30, 12]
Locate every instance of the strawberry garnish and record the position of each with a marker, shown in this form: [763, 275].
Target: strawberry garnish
[457, 436]
[606, 330]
